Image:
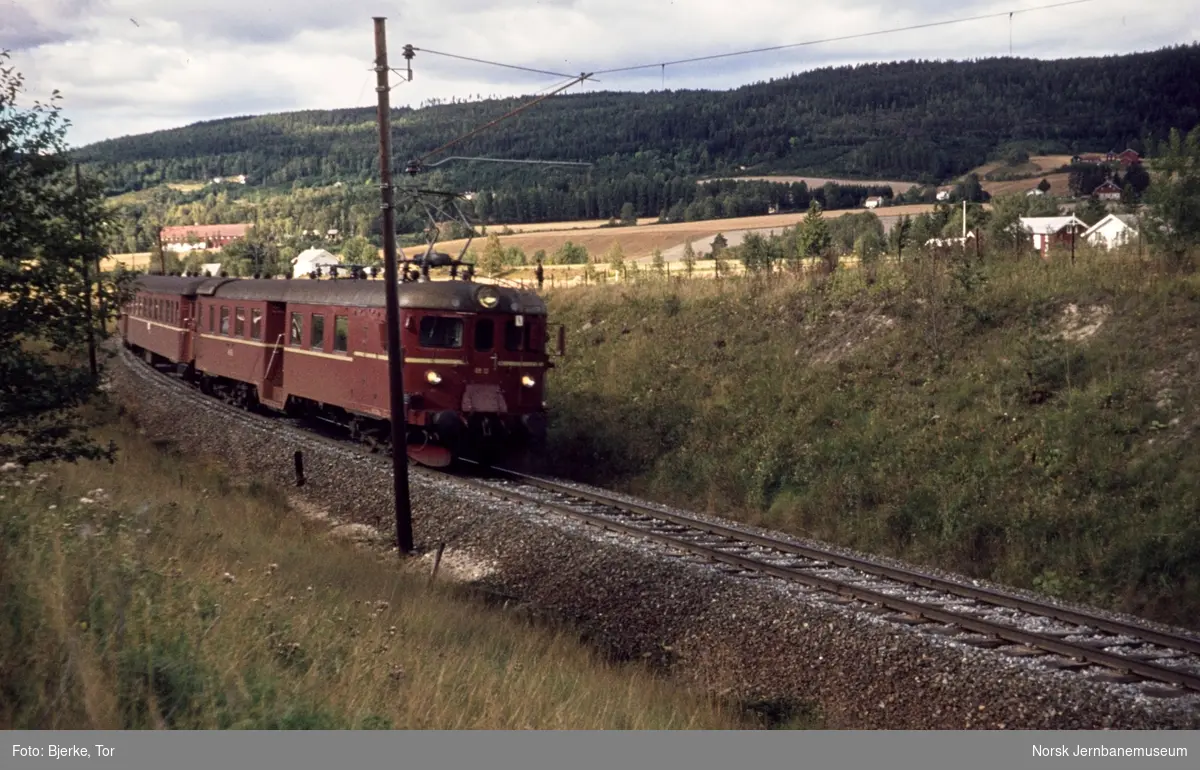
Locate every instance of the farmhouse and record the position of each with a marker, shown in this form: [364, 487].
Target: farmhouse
[1129, 158]
[201, 237]
[874, 203]
[943, 195]
[1112, 231]
[1053, 231]
[1107, 192]
[1034, 191]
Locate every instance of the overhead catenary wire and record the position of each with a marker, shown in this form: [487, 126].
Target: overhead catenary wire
[839, 38]
[493, 63]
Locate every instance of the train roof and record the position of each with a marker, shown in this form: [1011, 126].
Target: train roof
[434, 295]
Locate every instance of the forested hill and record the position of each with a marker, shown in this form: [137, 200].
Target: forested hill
[922, 121]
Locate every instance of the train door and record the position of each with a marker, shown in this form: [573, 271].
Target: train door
[484, 348]
[274, 331]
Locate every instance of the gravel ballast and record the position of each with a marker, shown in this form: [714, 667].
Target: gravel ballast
[750, 639]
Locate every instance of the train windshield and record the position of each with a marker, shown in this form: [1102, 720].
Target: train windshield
[441, 332]
[524, 337]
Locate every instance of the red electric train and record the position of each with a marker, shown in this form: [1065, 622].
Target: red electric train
[476, 355]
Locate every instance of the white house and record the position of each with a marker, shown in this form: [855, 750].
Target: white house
[1034, 191]
[1047, 231]
[1112, 231]
[873, 203]
[210, 269]
[943, 195]
[310, 259]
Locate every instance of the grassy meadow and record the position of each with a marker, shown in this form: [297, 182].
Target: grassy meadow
[1028, 421]
[157, 593]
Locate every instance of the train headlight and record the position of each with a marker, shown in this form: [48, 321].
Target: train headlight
[488, 297]
[528, 381]
[433, 378]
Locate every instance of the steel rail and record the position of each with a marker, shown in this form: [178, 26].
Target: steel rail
[915, 609]
[984, 595]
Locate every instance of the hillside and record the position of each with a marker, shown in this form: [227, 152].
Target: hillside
[1031, 423]
[916, 120]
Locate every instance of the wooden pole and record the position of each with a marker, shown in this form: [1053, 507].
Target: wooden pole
[399, 418]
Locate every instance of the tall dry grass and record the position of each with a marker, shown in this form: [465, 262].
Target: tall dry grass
[155, 593]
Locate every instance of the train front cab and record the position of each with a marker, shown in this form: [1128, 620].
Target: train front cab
[478, 380]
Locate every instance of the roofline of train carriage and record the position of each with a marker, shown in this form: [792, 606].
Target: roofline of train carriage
[460, 296]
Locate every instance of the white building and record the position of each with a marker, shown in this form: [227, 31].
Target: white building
[873, 203]
[1112, 231]
[310, 259]
[943, 195]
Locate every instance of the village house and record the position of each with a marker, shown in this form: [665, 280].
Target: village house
[1107, 192]
[1112, 231]
[874, 203]
[184, 238]
[1053, 231]
[1129, 158]
[943, 195]
[1034, 191]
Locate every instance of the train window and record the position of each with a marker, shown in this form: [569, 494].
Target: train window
[225, 320]
[341, 333]
[515, 337]
[441, 332]
[297, 327]
[485, 334]
[210, 318]
[317, 340]
[256, 324]
[239, 322]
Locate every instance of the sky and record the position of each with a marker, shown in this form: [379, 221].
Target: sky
[133, 66]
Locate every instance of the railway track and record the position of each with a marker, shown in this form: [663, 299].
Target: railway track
[1166, 663]
[982, 617]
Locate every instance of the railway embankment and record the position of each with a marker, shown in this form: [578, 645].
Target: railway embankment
[1017, 420]
[756, 640]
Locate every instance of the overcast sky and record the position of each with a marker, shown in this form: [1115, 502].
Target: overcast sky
[132, 66]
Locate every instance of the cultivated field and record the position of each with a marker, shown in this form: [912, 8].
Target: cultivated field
[639, 242]
[820, 181]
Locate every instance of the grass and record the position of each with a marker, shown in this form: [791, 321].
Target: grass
[157, 593]
[1022, 421]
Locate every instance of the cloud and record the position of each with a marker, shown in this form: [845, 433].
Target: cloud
[129, 66]
[26, 25]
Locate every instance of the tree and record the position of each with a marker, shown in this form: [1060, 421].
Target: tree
[656, 261]
[491, 262]
[1091, 211]
[52, 229]
[615, 257]
[719, 244]
[1044, 185]
[901, 235]
[689, 258]
[814, 237]
[628, 215]
[359, 251]
[755, 253]
[1173, 223]
[571, 254]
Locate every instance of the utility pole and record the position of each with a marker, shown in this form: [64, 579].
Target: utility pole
[87, 279]
[399, 417]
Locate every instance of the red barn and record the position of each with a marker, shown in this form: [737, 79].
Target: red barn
[1129, 158]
